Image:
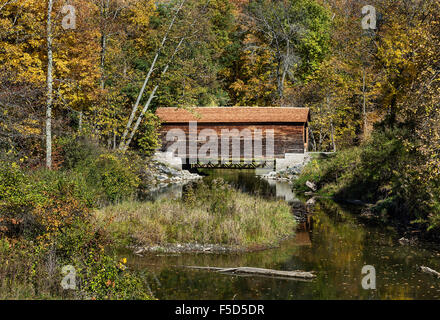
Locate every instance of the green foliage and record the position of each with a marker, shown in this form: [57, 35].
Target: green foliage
[41, 201]
[289, 40]
[99, 274]
[315, 45]
[75, 150]
[45, 223]
[102, 176]
[378, 172]
[12, 182]
[32, 269]
[106, 280]
[147, 139]
[326, 169]
[112, 176]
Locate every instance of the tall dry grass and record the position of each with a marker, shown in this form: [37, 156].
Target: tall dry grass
[207, 214]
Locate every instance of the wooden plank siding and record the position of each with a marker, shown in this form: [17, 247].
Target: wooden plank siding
[288, 138]
[289, 126]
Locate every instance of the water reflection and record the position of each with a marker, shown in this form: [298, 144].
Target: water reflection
[331, 242]
[173, 191]
[244, 180]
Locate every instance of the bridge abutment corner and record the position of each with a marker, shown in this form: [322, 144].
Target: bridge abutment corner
[289, 160]
[168, 159]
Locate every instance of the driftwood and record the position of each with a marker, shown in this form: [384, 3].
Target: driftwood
[312, 186]
[430, 271]
[260, 272]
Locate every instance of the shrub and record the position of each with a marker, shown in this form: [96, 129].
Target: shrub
[99, 273]
[381, 171]
[32, 269]
[113, 177]
[77, 151]
[45, 223]
[328, 169]
[13, 183]
[105, 176]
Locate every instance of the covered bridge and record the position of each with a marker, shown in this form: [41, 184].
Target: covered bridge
[287, 128]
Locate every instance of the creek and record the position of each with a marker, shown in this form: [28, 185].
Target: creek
[331, 240]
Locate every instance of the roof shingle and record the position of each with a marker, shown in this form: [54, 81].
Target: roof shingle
[233, 114]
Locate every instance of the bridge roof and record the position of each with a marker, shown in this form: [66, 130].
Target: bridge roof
[234, 114]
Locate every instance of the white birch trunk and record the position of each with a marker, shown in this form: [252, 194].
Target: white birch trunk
[364, 109]
[49, 86]
[151, 97]
[122, 145]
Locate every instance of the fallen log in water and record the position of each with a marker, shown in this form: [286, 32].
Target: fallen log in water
[260, 272]
[430, 271]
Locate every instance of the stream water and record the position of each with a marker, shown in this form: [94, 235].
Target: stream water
[331, 241]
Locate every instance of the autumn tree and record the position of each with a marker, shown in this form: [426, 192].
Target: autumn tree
[295, 33]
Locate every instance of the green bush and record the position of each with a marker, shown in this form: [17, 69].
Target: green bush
[32, 269]
[13, 183]
[112, 176]
[105, 176]
[380, 172]
[368, 172]
[100, 275]
[77, 151]
[327, 169]
[45, 223]
[38, 202]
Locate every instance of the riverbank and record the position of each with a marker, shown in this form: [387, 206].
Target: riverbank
[210, 217]
[291, 172]
[160, 176]
[380, 177]
[48, 222]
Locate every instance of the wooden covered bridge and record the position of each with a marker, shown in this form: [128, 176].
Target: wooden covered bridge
[235, 135]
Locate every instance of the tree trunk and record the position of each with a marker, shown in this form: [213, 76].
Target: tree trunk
[313, 139]
[80, 124]
[105, 4]
[49, 82]
[364, 109]
[285, 69]
[138, 122]
[103, 52]
[123, 145]
[279, 79]
[333, 135]
[430, 271]
[260, 272]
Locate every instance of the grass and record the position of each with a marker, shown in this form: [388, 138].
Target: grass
[332, 173]
[207, 214]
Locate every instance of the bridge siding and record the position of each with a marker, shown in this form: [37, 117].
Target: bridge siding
[288, 137]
